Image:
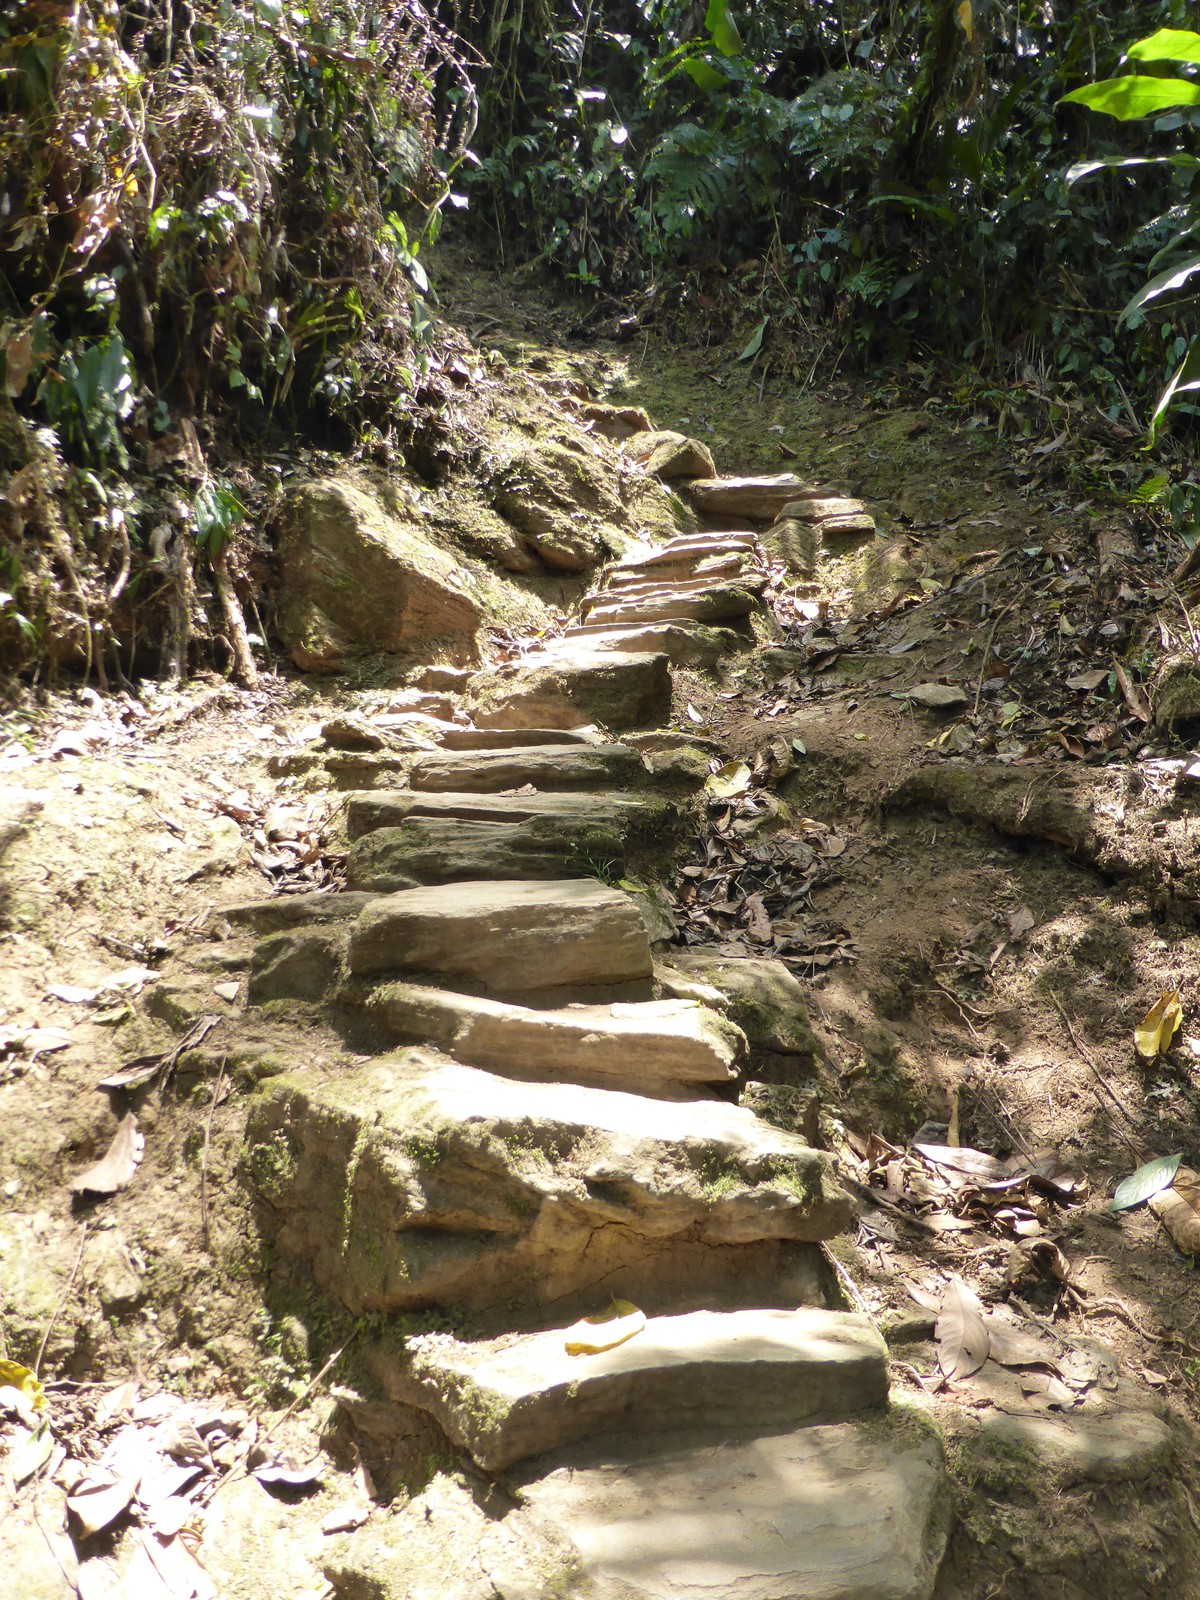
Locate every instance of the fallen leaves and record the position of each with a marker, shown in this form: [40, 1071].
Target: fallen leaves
[605, 1331]
[116, 1167]
[1157, 1029]
[1177, 1207]
[961, 1334]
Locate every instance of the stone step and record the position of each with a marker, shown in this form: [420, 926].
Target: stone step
[506, 738]
[562, 766]
[823, 507]
[509, 937]
[649, 589]
[424, 850]
[658, 1047]
[507, 1400]
[709, 605]
[725, 539]
[569, 685]
[711, 567]
[414, 1181]
[294, 911]
[760, 499]
[686, 644]
[388, 808]
[850, 1511]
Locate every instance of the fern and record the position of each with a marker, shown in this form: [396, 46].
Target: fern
[697, 174]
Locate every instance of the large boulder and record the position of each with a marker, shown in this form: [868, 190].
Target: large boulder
[561, 500]
[357, 577]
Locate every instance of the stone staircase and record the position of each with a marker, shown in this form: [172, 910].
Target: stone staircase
[546, 1120]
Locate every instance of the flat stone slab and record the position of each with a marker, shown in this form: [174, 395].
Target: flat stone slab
[649, 1047]
[665, 588]
[1116, 1447]
[686, 644]
[764, 997]
[424, 850]
[387, 808]
[563, 766]
[510, 1399]
[509, 937]
[415, 1181]
[294, 910]
[857, 1511]
[724, 603]
[504, 738]
[713, 567]
[567, 686]
[760, 499]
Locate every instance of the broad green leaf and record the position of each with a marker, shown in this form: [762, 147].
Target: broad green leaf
[1084, 169]
[593, 1335]
[1140, 1185]
[1173, 278]
[723, 28]
[1168, 44]
[1135, 96]
[1185, 380]
[704, 75]
[756, 339]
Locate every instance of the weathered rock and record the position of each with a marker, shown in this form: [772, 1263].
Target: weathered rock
[388, 808]
[858, 1511]
[564, 766]
[709, 568]
[116, 1271]
[671, 455]
[654, 584]
[294, 910]
[506, 738]
[817, 507]
[765, 1000]
[354, 577]
[452, 849]
[1111, 1448]
[760, 499]
[687, 644]
[615, 422]
[1175, 692]
[794, 543]
[438, 679]
[656, 1047]
[296, 964]
[938, 696]
[349, 732]
[743, 1370]
[560, 499]
[566, 687]
[722, 603]
[510, 937]
[415, 1181]
[846, 530]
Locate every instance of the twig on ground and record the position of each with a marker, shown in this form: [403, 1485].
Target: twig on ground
[212, 1111]
[1110, 1092]
[54, 1315]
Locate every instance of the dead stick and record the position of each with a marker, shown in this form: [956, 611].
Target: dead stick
[212, 1111]
[1109, 1091]
[37, 1365]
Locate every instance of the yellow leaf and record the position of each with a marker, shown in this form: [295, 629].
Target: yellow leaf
[15, 1376]
[606, 1331]
[966, 20]
[1158, 1027]
[733, 779]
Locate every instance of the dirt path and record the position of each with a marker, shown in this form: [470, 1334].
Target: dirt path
[885, 857]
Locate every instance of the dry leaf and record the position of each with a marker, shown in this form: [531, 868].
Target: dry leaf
[117, 1166]
[98, 1500]
[1156, 1030]
[961, 1333]
[1178, 1209]
[344, 1519]
[22, 1379]
[729, 781]
[589, 1337]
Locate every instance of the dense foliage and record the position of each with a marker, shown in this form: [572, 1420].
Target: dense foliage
[209, 217]
[894, 172]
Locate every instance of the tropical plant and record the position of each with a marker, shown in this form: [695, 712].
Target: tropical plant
[1139, 96]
